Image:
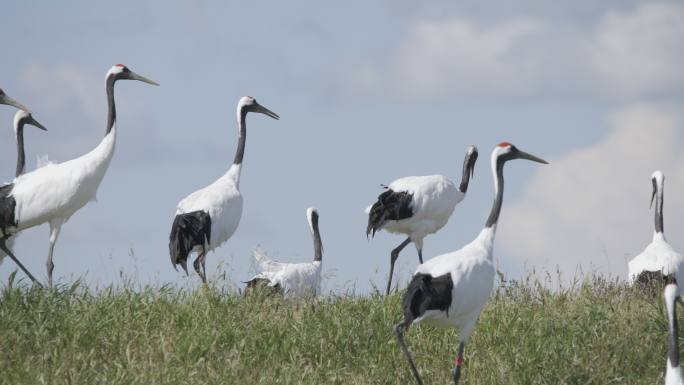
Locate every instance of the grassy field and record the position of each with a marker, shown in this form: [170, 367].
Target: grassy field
[596, 333]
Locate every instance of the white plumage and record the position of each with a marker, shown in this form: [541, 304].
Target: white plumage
[293, 279]
[21, 118]
[208, 217]
[434, 198]
[452, 289]
[417, 206]
[55, 192]
[659, 258]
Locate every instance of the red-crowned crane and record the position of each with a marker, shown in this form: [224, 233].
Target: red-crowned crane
[208, 217]
[659, 259]
[21, 118]
[55, 192]
[417, 206]
[292, 279]
[450, 290]
[673, 370]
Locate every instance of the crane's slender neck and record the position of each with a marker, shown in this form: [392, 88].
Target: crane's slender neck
[465, 178]
[111, 108]
[497, 170]
[673, 347]
[318, 244]
[659, 209]
[242, 127]
[21, 156]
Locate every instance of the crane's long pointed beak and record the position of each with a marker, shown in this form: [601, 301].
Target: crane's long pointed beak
[11, 102]
[524, 155]
[266, 111]
[35, 123]
[134, 76]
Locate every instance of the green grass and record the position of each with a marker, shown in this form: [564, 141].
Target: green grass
[598, 333]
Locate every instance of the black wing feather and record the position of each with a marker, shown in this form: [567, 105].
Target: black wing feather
[391, 206]
[188, 230]
[7, 207]
[426, 292]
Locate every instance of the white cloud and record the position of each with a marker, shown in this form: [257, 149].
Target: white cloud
[641, 51]
[456, 54]
[64, 90]
[629, 54]
[590, 207]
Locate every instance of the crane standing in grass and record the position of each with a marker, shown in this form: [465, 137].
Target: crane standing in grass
[659, 259]
[292, 279]
[208, 217]
[21, 118]
[417, 206]
[451, 289]
[55, 192]
[673, 370]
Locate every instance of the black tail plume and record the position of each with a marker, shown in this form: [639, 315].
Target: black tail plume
[188, 230]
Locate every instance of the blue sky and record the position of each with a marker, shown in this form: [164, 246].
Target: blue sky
[367, 92]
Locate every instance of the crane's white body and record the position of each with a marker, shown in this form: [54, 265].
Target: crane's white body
[472, 272]
[53, 193]
[295, 279]
[222, 200]
[450, 290]
[434, 199]
[658, 256]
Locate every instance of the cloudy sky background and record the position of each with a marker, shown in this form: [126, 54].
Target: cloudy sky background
[367, 92]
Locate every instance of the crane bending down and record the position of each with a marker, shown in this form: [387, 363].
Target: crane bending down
[208, 217]
[21, 118]
[417, 206]
[673, 370]
[659, 259]
[55, 192]
[292, 279]
[451, 289]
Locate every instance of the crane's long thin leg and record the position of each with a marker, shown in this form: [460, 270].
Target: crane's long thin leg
[399, 331]
[54, 233]
[204, 263]
[199, 265]
[393, 258]
[458, 362]
[3, 247]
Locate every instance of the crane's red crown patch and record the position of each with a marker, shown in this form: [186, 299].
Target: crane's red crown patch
[504, 144]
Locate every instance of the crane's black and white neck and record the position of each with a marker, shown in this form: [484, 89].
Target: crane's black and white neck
[245, 105]
[504, 152]
[673, 371]
[5, 99]
[312, 217]
[468, 168]
[22, 118]
[658, 180]
[118, 72]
